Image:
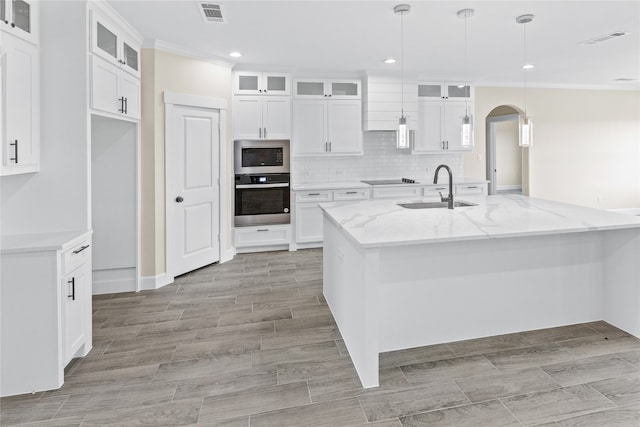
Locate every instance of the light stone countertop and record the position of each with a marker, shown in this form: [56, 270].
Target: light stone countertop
[422, 181]
[40, 242]
[379, 223]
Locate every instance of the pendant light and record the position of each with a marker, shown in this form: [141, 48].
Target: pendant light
[466, 128]
[525, 124]
[402, 134]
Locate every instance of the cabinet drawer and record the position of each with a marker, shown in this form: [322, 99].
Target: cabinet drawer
[350, 195]
[313, 196]
[471, 189]
[262, 236]
[435, 191]
[395, 192]
[76, 256]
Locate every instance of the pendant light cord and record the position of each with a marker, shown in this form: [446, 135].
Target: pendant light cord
[402, 63]
[466, 58]
[524, 69]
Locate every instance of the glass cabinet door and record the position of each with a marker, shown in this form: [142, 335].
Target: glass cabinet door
[455, 92]
[310, 88]
[106, 40]
[344, 90]
[430, 91]
[131, 57]
[276, 85]
[21, 15]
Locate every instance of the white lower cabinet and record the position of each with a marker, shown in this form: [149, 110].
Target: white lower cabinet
[45, 301]
[262, 238]
[113, 90]
[476, 189]
[309, 219]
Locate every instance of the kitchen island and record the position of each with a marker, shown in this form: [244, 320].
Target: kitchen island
[397, 278]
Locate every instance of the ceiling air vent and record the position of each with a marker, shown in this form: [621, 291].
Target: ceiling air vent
[211, 12]
[605, 37]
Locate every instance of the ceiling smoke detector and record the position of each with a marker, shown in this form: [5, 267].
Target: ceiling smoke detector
[604, 38]
[211, 12]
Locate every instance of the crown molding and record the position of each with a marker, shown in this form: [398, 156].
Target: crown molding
[183, 51]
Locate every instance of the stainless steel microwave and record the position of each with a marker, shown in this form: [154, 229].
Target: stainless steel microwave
[256, 156]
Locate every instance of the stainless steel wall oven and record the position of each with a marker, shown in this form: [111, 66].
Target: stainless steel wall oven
[262, 193]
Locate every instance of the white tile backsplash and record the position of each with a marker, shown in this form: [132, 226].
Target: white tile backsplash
[381, 160]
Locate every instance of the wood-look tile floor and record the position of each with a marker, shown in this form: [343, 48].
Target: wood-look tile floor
[252, 343]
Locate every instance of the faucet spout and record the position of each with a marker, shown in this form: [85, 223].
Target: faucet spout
[448, 199]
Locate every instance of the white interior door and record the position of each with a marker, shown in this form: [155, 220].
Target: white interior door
[196, 186]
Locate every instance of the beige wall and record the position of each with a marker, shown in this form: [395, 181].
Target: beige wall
[163, 71]
[508, 154]
[586, 147]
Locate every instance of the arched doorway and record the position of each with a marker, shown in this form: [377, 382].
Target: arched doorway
[507, 163]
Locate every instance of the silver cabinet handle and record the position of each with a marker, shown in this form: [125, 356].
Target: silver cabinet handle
[250, 186]
[260, 133]
[352, 192]
[73, 289]
[329, 142]
[265, 131]
[263, 229]
[473, 187]
[313, 194]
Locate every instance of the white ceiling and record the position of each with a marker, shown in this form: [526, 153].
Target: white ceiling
[351, 37]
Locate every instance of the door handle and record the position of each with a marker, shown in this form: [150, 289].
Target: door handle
[179, 199]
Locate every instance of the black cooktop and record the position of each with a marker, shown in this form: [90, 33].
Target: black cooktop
[390, 181]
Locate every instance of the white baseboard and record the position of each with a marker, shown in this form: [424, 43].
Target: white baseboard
[113, 281]
[227, 255]
[149, 283]
[509, 188]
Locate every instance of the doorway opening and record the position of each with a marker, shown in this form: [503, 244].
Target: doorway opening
[507, 162]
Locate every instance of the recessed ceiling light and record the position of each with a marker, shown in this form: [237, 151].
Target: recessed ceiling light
[389, 61]
[528, 66]
[235, 54]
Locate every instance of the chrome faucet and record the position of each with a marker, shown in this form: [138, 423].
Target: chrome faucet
[448, 199]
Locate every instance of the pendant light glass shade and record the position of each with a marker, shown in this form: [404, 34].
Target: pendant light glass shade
[525, 127]
[402, 135]
[467, 132]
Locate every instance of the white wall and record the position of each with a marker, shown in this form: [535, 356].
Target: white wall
[586, 146]
[381, 160]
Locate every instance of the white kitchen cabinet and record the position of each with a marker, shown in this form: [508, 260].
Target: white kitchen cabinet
[20, 106]
[261, 117]
[113, 90]
[45, 315]
[262, 238]
[308, 217]
[470, 189]
[448, 90]
[440, 126]
[396, 192]
[324, 127]
[20, 18]
[334, 89]
[261, 83]
[113, 43]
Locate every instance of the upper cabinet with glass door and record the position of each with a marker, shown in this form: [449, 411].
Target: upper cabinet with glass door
[20, 18]
[450, 91]
[261, 83]
[112, 43]
[328, 89]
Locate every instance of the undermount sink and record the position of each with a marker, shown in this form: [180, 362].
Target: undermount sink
[434, 205]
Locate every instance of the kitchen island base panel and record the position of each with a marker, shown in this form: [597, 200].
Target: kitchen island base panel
[400, 297]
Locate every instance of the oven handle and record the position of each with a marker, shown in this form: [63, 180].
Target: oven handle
[284, 184]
